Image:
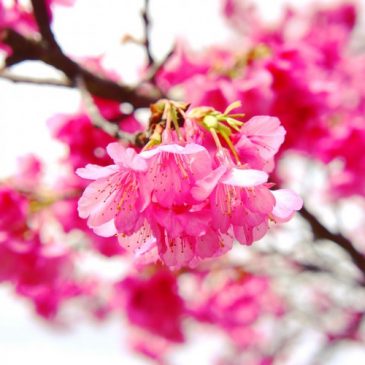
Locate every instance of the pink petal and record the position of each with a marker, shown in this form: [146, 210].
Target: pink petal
[93, 172]
[190, 148]
[140, 242]
[179, 253]
[266, 132]
[96, 195]
[205, 186]
[127, 157]
[213, 244]
[260, 199]
[116, 152]
[106, 230]
[287, 202]
[245, 177]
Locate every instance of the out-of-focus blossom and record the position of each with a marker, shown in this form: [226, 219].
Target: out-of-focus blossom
[29, 173]
[13, 210]
[85, 142]
[40, 272]
[236, 304]
[153, 303]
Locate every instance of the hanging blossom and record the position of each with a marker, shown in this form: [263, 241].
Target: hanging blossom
[198, 184]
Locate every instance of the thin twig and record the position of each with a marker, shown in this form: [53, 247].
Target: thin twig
[156, 68]
[29, 49]
[33, 80]
[321, 232]
[97, 119]
[147, 34]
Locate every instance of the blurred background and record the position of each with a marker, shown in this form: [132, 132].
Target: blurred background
[95, 28]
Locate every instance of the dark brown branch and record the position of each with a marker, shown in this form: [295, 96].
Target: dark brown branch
[321, 232]
[156, 68]
[147, 29]
[42, 17]
[29, 49]
[34, 80]
[48, 51]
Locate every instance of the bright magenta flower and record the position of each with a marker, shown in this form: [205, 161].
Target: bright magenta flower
[153, 303]
[14, 208]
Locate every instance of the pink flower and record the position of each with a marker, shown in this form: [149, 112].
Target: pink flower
[236, 305]
[166, 203]
[241, 202]
[13, 208]
[114, 201]
[15, 16]
[259, 141]
[185, 238]
[41, 272]
[154, 304]
[29, 172]
[286, 203]
[173, 170]
[151, 245]
[154, 347]
[86, 143]
[66, 213]
[180, 67]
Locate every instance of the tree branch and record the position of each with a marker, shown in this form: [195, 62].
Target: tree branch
[321, 232]
[98, 120]
[29, 49]
[147, 28]
[156, 68]
[34, 80]
[42, 17]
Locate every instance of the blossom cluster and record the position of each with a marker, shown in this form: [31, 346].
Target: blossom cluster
[303, 70]
[185, 197]
[41, 269]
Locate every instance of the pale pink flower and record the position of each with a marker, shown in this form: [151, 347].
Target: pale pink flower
[66, 213]
[115, 197]
[29, 172]
[286, 203]
[141, 244]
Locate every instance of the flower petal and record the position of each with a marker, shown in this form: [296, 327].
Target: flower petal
[245, 177]
[93, 172]
[287, 202]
